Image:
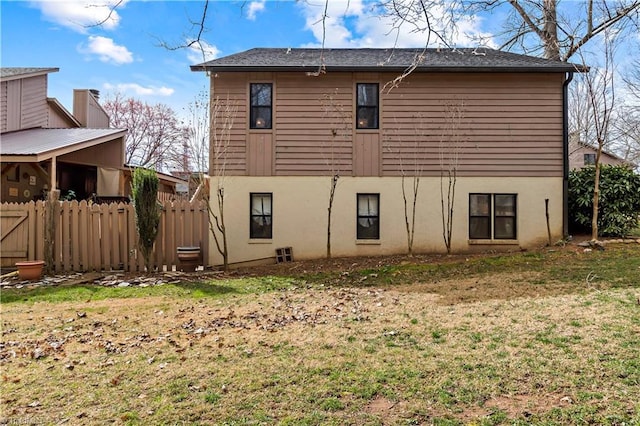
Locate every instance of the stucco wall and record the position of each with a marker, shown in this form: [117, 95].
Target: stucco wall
[300, 215]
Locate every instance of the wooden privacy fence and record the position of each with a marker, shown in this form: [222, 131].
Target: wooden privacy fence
[99, 237]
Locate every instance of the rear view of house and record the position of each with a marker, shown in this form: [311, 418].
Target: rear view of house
[304, 118]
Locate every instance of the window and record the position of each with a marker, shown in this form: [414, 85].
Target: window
[368, 227]
[589, 159]
[504, 222]
[479, 216]
[13, 175]
[261, 223]
[492, 214]
[261, 105]
[367, 105]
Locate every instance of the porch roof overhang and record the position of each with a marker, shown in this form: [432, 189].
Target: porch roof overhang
[37, 145]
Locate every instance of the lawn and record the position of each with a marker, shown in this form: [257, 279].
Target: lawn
[546, 337]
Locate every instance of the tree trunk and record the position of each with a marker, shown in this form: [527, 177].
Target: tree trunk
[550, 30]
[596, 193]
[334, 183]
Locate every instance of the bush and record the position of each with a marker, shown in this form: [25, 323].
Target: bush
[619, 202]
[144, 192]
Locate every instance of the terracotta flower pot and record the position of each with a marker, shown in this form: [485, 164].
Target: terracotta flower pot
[30, 270]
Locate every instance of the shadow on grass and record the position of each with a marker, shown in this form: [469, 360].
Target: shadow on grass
[86, 292]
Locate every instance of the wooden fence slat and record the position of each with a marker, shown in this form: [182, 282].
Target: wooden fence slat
[75, 238]
[39, 230]
[65, 244]
[84, 238]
[57, 241]
[95, 233]
[105, 238]
[31, 245]
[114, 233]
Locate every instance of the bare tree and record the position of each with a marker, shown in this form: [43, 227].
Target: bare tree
[223, 114]
[154, 132]
[195, 149]
[340, 123]
[412, 170]
[558, 30]
[601, 95]
[449, 153]
[627, 121]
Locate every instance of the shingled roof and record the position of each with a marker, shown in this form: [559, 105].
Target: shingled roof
[377, 60]
[11, 73]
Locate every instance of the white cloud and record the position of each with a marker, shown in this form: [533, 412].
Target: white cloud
[254, 8]
[136, 89]
[79, 15]
[107, 50]
[359, 23]
[202, 53]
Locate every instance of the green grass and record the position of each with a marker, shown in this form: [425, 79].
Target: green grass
[189, 290]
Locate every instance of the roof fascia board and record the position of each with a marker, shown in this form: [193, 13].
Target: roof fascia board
[19, 159]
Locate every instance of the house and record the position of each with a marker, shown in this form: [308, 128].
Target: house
[304, 118]
[582, 154]
[44, 146]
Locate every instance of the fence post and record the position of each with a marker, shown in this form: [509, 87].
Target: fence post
[50, 230]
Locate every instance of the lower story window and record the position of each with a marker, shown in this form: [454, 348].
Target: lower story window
[368, 227]
[261, 220]
[492, 216]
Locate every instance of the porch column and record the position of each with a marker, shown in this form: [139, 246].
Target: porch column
[52, 174]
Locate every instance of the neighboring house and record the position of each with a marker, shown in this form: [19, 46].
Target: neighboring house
[582, 154]
[305, 115]
[44, 146]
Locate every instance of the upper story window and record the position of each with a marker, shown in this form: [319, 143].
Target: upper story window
[261, 102]
[367, 105]
[589, 159]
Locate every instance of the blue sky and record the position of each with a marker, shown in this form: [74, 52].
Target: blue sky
[124, 55]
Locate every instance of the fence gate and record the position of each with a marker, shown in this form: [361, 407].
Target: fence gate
[17, 237]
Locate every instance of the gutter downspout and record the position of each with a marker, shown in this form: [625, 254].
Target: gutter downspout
[565, 154]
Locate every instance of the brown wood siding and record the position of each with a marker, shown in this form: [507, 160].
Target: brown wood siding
[3, 106]
[511, 124]
[33, 109]
[12, 105]
[367, 154]
[55, 120]
[260, 153]
[233, 88]
[314, 124]
[108, 154]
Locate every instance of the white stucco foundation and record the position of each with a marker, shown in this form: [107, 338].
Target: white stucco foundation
[300, 215]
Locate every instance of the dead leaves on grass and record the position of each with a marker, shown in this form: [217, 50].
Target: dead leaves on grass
[115, 336]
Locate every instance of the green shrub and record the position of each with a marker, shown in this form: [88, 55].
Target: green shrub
[144, 192]
[619, 202]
